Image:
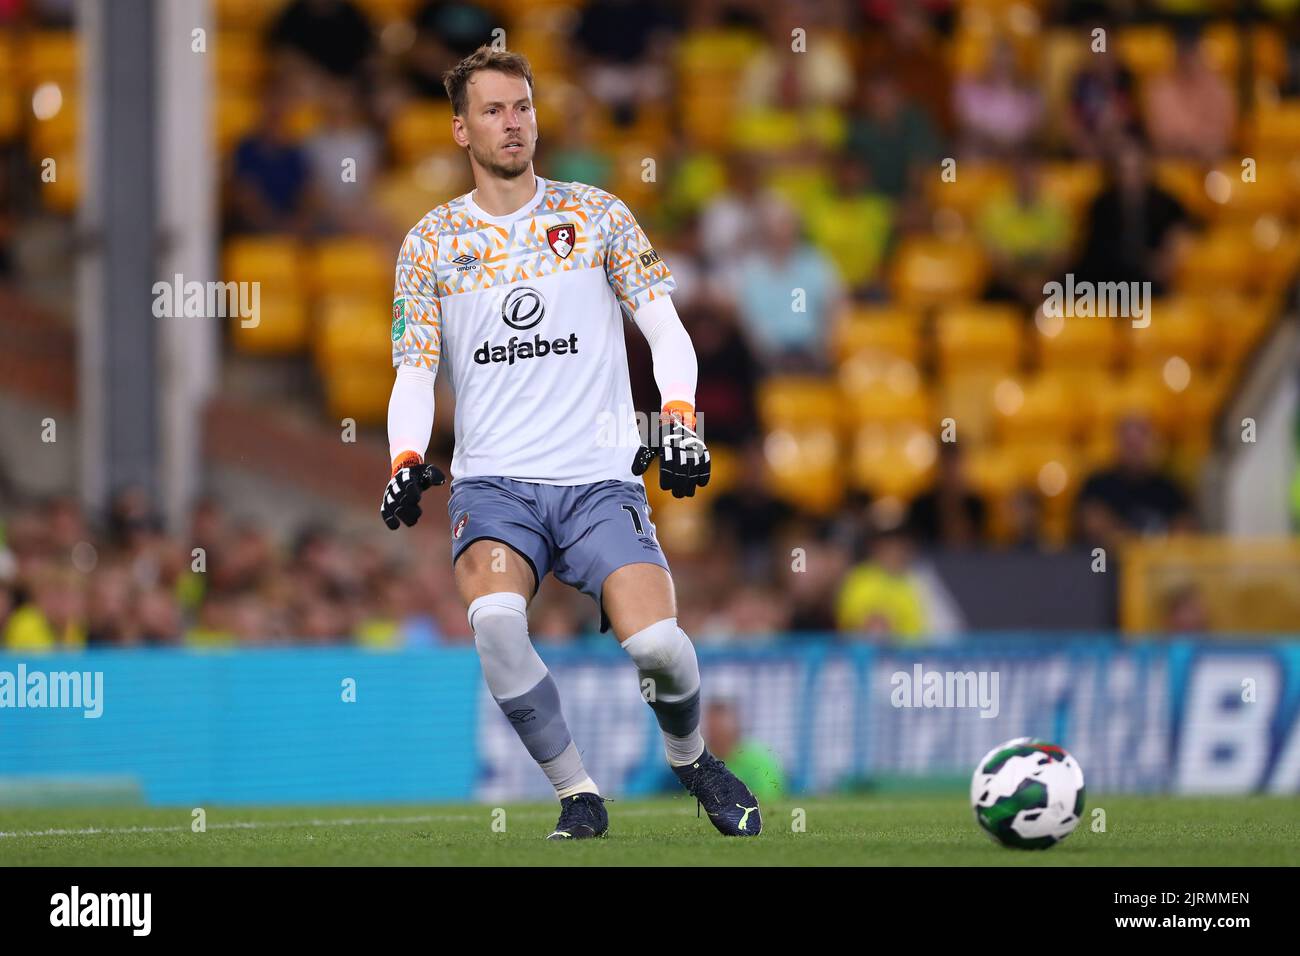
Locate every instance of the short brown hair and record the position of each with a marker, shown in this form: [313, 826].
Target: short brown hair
[456, 80]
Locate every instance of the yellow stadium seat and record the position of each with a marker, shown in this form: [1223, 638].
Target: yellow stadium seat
[1184, 406]
[805, 466]
[1231, 197]
[274, 261]
[399, 192]
[885, 313]
[59, 133]
[928, 271]
[246, 14]
[1221, 47]
[282, 327]
[1064, 51]
[1239, 324]
[978, 339]
[235, 117]
[1223, 257]
[1287, 168]
[1185, 180]
[238, 61]
[1067, 346]
[700, 117]
[360, 393]
[1147, 49]
[385, 10]
[543, 47]
[892, 459]
[1179, 327]
[11, 112]
[1275, 127]
[1047, 411]
[352, 331]
[791, 401]
[995, 478]
[420, 128]
[884, 389]
[1073, 184]
[360, 267]
[857, 336]
[9, 60]
[965, 399]
[1141, 394]
[1278, 249]
[52, 56]
[1052, 468]
[681, 525]
[1269, 52]
[975, 184]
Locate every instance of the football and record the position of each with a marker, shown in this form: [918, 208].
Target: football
[1027, 794]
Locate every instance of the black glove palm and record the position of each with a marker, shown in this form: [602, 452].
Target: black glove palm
[683, 459]
[401, 503]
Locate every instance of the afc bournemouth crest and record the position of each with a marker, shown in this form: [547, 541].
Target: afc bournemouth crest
[460, 525]
[562, 239]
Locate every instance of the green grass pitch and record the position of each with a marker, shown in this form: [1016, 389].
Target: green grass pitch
[889, 830]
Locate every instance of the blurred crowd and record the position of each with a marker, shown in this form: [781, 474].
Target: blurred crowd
[68, 581]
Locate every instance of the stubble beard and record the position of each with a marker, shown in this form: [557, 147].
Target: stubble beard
[503, 170]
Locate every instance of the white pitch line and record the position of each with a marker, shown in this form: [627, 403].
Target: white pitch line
[273, 824]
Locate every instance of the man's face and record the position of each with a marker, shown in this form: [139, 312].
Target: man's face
[1135, 443]
[499, 126]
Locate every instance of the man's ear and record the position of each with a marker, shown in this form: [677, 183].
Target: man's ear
[458, 131]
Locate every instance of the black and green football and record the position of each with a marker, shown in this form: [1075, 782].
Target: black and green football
[1027, 794]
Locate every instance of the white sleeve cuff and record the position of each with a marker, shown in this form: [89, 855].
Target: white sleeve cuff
[410, 411]
[675, 366]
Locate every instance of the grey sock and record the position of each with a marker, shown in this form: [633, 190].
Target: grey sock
[525, 691]
[535, 715]
[664, 656]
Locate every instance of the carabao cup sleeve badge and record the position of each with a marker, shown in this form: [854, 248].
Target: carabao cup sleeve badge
[399, 318]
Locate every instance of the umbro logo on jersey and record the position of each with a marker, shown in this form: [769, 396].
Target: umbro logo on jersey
[562, 239]
[522, 308]
[465, 263]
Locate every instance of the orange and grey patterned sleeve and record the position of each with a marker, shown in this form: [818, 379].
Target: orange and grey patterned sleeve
[417, 310]
[635, 272]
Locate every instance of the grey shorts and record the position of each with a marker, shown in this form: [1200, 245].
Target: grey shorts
[580, 532]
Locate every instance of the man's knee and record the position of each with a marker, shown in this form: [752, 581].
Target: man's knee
[636, 596]
[488, 566]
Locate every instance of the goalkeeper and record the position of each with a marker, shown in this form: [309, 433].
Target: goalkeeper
[518, 289]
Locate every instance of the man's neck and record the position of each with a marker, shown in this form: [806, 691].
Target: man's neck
[501, 197]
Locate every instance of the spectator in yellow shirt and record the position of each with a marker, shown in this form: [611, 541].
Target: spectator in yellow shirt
[52, 620]
[882, 598]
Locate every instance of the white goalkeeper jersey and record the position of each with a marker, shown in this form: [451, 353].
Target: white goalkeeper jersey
[525, 314]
